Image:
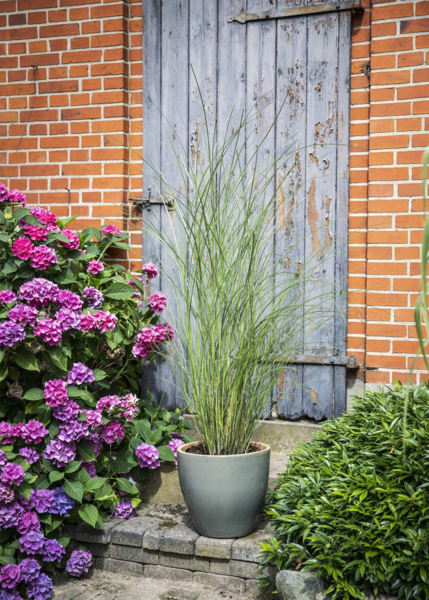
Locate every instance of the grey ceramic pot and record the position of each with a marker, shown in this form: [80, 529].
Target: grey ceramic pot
[224, 494]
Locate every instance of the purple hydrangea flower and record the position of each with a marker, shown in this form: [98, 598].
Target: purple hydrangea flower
[40, 588]
[43, 501]
[68, 299]
[73, 431]
[80, 374]
[108, 403]
[60, 453]
[124, 510]
[49, 330]
[3, 458]
[55, 392]
[10, 576]
[9, 594]
[11, 333]
[9, 515]
[95, 266]
[30, 569]
[23, 248]
[79, 563]
[150, 270]
[43, 257]
[29, 454]
[95, 442]
[28, 503]
[73, 238]
[12, 474]
[67, 319]
[147, 456]
[28, 521]
[6, 494]
[32, 542]
[7, 296]
[112, 431]
[94, 418]
[89, 468]
[174, 443]
[66, 412]
[62, 502]
[38, 292]
[53, 551]
[157, 301]
[33, 432]
[93, 297]
[23, 314]
[8, 432]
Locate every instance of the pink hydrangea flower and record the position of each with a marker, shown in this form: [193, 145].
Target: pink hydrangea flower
[43, 257]
[150, 270]
[16, 196]
[111, 432]
[45, 217]
[38, 292]
[111, 230]
[35, 233]
[174, 443]
[33, 432]
[7, 296]
[49, 330]
[55, 392]
[73, 239]
[70, 300]
[94, 418]
[157, 301]
[147, 456]
[12, 474]
[102, 320]
[95, 266]
[23, 248]
[23, 314]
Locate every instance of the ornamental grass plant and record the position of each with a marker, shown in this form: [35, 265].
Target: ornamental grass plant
[75, 434]
[244, 303]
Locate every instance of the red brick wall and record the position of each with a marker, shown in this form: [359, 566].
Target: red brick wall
[389, 132]
[71, 104]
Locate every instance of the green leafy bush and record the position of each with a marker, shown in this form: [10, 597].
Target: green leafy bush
[353, 506]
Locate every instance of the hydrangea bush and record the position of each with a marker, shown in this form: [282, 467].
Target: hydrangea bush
[75, 437]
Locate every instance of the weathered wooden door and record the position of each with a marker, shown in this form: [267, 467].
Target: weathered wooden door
[293, 60]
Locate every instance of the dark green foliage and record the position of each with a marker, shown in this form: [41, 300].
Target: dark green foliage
[354, 507]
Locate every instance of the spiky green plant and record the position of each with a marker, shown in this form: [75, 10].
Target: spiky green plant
[243, 304]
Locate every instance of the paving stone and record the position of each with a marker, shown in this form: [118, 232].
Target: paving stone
[248, 548]
[181, 561]
[213, 548]
[220, 581]
[131, 532]
[128, 553]
[247, 570]
[119, 566]
[180, 539]
[157, 572]
[252, 587]
[86, 533]
[219, 566]
[176, 594]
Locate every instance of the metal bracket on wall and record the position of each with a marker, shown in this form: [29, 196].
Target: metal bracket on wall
[298, 11]
[149, 200]
[336, 361]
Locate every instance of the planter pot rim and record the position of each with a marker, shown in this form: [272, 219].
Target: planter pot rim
[262, 448]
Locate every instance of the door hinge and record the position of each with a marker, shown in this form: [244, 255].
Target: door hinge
[149, 200]
[298, 11]
[336, 361]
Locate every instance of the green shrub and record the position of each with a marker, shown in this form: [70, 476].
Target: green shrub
[353, 507]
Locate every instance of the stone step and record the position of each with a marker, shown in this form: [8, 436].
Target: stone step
[161, 542]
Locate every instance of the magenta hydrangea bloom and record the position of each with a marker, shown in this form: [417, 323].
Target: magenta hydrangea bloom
[95, 442]
[80, 374]
[29, 454]
[147, 456]
[16, 196]
[10, 576]
[174, 443]
[150, 270]
[7, 296]
[93, 297]
[3, 192]
[23, 314]
[28, 521]
[6, 494]
[157, 301]
[11, 333]
[112, 432]
[79, 563]
[89, 468]
[67, 319]
[73, 431]
[30, 569]
[40, 588]
[27, 503]
[23, 248]
[12, 474]
[102, 320]
[124, 510]
[55, 392]
[68, 299]
[95, 266]
[111, 230]
[3, 456]
[93, 418]
[53, 551]
[38, 292]
[108, 403]
[66, 412]
[35, 233]
[9, 433]
[43, 257]
[60, 453]
[44, 216]
[33, 432]
[73, 238]
[49, 331]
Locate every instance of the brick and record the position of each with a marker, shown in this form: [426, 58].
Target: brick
[389, 141]
[399, 300]
[67, 29]
[81, 57]
[131, 533]
[29, 4]
[69, 114]
[38, 115]
[413, 91]
[422, 8]
[391, 109]
[103, 41]
[181, 561]
[55, 87]
[387, 268]
[415, 26]
[157, 572]
[413, 124]
[22, 33]
[410, 59]
[391, 45]
[119, 566]
[54, 16]
[390, 77]
[392, 12]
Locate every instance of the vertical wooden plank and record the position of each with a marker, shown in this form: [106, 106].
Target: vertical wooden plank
[291, 103]
[340, 374]
[318, 391]
[322, 52]
[151, 249]
[174, 135]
